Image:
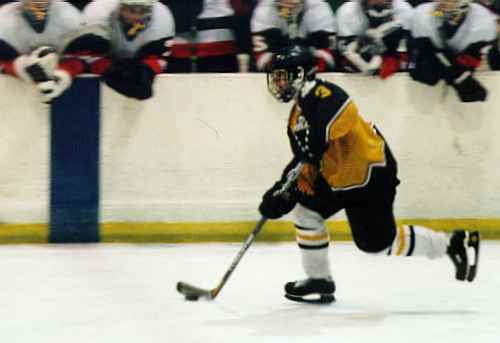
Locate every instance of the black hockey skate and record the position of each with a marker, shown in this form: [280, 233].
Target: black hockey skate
[314, 291]
[464, 253]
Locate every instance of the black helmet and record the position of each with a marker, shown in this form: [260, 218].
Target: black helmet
[290, 67]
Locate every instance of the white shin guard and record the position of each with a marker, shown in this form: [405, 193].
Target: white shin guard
[313, 240]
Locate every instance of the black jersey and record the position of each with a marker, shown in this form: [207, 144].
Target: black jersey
[326, 129]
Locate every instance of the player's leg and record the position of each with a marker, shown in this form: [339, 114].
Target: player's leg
[374, 230]
[313, 240]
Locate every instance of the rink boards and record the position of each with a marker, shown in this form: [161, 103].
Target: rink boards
[275, 231]
[192, 163]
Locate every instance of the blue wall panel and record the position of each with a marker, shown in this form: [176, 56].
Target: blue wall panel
[74, 169]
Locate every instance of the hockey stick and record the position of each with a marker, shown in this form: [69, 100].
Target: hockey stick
[193, 293]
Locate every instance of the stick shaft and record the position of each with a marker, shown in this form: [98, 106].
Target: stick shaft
[190, 290]
[292, 175]
[258, 227]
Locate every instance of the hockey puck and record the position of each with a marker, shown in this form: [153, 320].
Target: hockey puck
[192, 297]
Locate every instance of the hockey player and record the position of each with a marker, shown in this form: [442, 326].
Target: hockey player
[372, 36]
[36, 47]
[129, 42]
[449, 37]
[346, 164]
[279, 23]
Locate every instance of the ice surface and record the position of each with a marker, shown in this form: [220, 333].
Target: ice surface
[126, 293]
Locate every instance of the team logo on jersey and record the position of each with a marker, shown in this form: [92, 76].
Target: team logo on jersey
[297, 121]
[301, 124]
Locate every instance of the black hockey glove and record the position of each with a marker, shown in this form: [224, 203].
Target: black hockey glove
[462, 80]
[131, 79]
[494, 57]
[427, 70]
[275, 204]
[282, 197]
[469, 89]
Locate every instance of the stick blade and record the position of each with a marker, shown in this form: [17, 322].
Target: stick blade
[193, 293]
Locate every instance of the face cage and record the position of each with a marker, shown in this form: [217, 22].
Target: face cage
[36, 12]
[289, 8]
[284, 84]
[132, 26]
[452, 11]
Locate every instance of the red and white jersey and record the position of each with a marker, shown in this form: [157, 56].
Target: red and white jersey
[352, 21]
[63, 21]
[317, 16]
[478, 29]
[316, 28]
[211, 35]
[104, 15]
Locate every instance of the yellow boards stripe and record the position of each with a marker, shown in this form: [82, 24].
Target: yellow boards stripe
[198, 232]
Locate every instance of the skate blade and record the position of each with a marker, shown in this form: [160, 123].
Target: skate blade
[317, 299]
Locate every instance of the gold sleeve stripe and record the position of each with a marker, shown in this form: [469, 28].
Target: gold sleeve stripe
[343, 121]
[339, 112]
[402, 241]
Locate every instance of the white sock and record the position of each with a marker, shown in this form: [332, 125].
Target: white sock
[412, 240]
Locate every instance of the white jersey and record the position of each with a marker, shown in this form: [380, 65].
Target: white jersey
[104, 14]
[478, 27]
[352, 21]
[317, 16]
[63, 22]
[212, 9]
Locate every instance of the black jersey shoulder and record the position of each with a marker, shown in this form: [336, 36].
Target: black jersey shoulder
[323, 103]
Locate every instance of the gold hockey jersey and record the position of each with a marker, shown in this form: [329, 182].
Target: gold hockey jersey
[326, 129]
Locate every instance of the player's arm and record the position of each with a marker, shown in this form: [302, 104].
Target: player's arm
[459, 71]
[95, 37]
[332, 114]
[40, 67]
[360, 53]
[155, 54]
[275, 204]
[426, 66]
[470, 58]
[93, 47]
[389, 36]
[134, 77]
[69, 63]
[8, 54]
[323, 43]
[36, 67]
[345, 121]
[432, 64]
[320, 22]
[265, 43]
[336, 116]
[494, 56]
